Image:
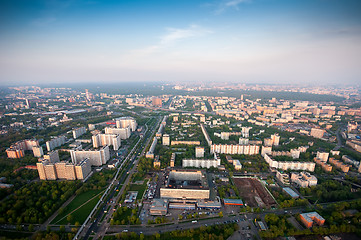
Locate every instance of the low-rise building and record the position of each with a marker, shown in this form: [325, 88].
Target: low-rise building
[290, 192]
[340, 165]
[199, 152]
[303, 179]
[308, 219]
[159, 207]
[325, 166]
[166, 140]
[283, 177]
[156, 162]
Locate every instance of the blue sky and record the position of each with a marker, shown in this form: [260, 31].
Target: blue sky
[260, 41]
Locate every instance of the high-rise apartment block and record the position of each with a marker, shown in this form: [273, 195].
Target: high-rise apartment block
[78, 132]
[55, 142]
[96, 157]
[124, 133]
[106, 139]
[17, 150]
[125, 122]
[63, 170]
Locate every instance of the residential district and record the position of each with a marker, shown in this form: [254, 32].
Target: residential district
[184, 162]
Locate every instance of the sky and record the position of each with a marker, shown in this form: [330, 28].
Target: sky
[242, 41]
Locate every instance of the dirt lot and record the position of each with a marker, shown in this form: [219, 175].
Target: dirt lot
[253, 193]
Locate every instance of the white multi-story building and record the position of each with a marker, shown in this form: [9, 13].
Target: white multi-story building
[283, 177]
[201, 163]
[206, 136]
[245, 131]
[96, 157]
[289, 165]
[235, 149]
[295, 153]
[243, 141]
[55, 142]
[275, 139]
[166, 140]
[106, 139]
[304, 179]
[52, 157]
[266, 150]
[63, 170]
[237, 165]
[150, 153]
[78, 132]
[323, 156]
[199, 152]
[124, 133]
[125, 122]
[38, 151]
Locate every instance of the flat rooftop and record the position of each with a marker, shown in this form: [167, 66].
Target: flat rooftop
[187, 179]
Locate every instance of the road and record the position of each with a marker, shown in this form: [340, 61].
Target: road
[247, 218]
[100, 223]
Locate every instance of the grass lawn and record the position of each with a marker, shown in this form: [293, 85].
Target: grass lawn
[80, 214]
[139, 188]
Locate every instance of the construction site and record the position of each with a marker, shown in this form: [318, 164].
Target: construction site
[254, 193]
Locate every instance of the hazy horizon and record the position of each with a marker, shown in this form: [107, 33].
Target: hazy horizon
[242, 41]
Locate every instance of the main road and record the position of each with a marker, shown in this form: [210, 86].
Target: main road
[100, 223]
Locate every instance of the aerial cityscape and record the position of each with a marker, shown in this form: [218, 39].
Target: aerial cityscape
[146, 120]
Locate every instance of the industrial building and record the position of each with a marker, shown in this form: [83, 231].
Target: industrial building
[233, 202]
[158, 207]
[290, 192]
[185, 184]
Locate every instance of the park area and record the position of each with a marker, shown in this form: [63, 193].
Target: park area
[78, 209]
[254, 193]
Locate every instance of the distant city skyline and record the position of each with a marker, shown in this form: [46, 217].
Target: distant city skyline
[243, 41]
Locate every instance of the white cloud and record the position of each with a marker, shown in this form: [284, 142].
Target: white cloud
[224, 5]
[176, 34]
[172, 36]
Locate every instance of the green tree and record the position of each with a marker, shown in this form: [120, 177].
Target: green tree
[31, 228]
